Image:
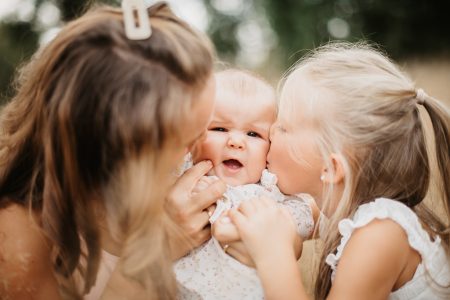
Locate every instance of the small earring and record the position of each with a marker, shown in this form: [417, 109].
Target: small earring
[322, 177]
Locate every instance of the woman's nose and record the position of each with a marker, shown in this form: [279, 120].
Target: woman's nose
[236, 141]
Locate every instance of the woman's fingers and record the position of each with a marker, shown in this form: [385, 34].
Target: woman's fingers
[208, 196]
[210, 209]
[196, 223]
[202, 184]
[190, 178]
[202, 236]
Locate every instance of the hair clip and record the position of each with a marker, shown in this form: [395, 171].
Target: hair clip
[136, 20]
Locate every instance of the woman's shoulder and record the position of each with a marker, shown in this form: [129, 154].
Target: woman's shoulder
[25, 256]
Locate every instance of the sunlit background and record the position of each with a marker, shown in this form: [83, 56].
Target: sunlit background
[266, 36]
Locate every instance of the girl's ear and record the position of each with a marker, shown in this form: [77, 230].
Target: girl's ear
[336, 174]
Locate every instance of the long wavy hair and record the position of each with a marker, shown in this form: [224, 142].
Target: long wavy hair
[378, 126]
[89, 127]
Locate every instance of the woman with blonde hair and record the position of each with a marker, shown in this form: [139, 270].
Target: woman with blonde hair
[88, 148]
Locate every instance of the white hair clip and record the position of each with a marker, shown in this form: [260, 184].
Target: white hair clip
[421, 96]
[136, 20]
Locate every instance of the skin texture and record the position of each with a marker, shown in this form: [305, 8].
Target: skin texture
[25, 264]
[239, 130]
[306, 164]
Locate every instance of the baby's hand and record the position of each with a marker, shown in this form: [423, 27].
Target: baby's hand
[224, 230]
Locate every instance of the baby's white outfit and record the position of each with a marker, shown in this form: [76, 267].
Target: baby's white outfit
[209, 273]
[434, 266]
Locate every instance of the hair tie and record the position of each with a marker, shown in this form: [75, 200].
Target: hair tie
[421, 96]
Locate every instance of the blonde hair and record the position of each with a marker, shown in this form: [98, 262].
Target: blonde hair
[90, 126]
[365, 109]
[243, 83]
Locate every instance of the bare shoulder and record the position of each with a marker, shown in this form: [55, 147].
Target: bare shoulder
[25, 264]
[372, 261]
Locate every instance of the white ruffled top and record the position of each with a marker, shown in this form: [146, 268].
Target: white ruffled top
[434, 263]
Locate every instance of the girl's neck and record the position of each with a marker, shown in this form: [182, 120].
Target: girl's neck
[336, 196]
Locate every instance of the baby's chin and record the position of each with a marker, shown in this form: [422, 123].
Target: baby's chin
[230, 180]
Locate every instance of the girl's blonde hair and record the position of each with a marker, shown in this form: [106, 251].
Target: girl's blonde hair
[90, 126]
[370, 113]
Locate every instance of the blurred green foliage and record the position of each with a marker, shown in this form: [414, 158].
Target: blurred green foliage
[404, 28]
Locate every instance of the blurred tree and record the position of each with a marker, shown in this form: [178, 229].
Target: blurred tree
[404, 27]
[19, 39]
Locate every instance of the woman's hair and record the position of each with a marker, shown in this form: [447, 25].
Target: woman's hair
[370, 113]
[89, 127]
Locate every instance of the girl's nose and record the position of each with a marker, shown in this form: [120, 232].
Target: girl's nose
[236, 141]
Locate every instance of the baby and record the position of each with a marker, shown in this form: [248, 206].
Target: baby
[237, 143]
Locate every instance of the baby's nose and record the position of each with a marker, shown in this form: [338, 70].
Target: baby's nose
[236, 141]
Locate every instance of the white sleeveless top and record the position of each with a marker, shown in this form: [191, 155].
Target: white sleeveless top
[434, 265]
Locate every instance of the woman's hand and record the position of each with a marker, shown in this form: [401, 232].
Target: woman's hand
[188, 207]
[266, 229]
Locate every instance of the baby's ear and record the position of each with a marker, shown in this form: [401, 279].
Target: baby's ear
[336, 173]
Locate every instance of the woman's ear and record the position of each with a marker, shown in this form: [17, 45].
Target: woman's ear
[336, 174]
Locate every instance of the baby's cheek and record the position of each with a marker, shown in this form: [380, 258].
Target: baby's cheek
[205, 150]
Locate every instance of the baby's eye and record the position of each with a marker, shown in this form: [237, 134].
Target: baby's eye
[220, 129]
[253, 134]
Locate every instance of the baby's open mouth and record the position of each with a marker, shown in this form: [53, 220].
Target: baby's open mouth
[232, 163]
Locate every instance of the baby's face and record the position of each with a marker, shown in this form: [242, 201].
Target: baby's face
[237, 140]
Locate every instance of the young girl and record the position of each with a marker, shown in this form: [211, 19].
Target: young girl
[237, 143]
[87, 151]
[353, 128]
